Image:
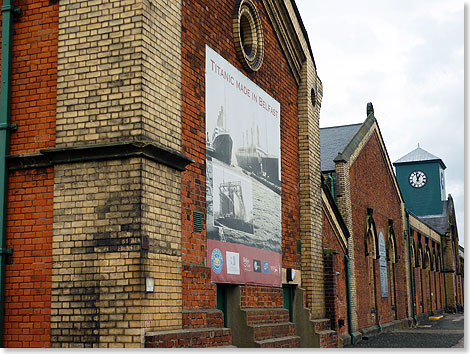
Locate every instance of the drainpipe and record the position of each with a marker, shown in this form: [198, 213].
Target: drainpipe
[332, 185]
[415, 320]
[348, 298]
[5, 127]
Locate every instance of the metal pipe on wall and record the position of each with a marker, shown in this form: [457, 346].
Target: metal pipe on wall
[348, 298]
[5, 127]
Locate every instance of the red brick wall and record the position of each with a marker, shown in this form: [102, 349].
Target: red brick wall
[30, 199]
[199, 292]
[34, 76]
[28, 270]
[210, 22]
[372, 187]
[339, 311]
[261, 296]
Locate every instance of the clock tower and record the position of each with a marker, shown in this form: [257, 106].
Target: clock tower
[420, 176]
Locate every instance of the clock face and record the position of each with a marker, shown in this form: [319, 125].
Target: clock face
[418, 179]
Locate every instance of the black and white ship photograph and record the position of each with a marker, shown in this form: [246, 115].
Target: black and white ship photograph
[241, 209]
[232, 200]
[243, 169]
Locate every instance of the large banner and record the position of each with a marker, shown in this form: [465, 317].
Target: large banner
[243, 177]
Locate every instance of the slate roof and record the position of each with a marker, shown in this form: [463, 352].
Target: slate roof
[418, 155]
[333, 140]
[438, 222]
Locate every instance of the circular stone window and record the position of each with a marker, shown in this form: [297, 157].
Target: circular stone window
[248, 35]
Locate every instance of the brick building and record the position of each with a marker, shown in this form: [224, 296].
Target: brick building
[109, 138]
[163, 184]
[435, 252]
[402, 259]
[359, 174]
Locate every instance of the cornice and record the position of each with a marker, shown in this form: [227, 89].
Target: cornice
[98, 152]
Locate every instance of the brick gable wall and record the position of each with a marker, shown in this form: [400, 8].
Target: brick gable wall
[209, 22]
[372, 187]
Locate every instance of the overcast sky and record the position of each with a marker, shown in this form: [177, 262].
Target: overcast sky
[407, 58]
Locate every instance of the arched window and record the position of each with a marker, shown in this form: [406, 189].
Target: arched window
[420, 264]
[428, 280]
[370, 246]
[419, 256]
[391, 247]
[371, 240]
[427, 259]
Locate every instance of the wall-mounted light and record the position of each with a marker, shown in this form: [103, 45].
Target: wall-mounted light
[290, 274]
[149, 284]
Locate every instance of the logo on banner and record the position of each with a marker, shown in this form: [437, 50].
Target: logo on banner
[274, 269]
[246, 264]
[257, 266]
[217, 261]
[233, 262]
[266, 267]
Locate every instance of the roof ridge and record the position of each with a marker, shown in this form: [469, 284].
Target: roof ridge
[341, 126]
[357, 138]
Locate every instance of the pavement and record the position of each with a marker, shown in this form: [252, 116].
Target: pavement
[447, 332]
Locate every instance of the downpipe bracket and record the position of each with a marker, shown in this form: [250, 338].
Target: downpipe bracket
[16, 11]
[11, 127]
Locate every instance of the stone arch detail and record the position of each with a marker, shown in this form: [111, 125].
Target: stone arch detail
[391, 246]
[370, 238]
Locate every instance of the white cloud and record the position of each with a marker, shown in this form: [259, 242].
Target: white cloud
[404, 56]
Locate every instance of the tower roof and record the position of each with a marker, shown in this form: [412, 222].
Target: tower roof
[418, 155]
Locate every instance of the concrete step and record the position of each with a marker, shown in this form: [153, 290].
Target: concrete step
[284, 342]
[328, 339]
[225, 346]
[322, 324]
